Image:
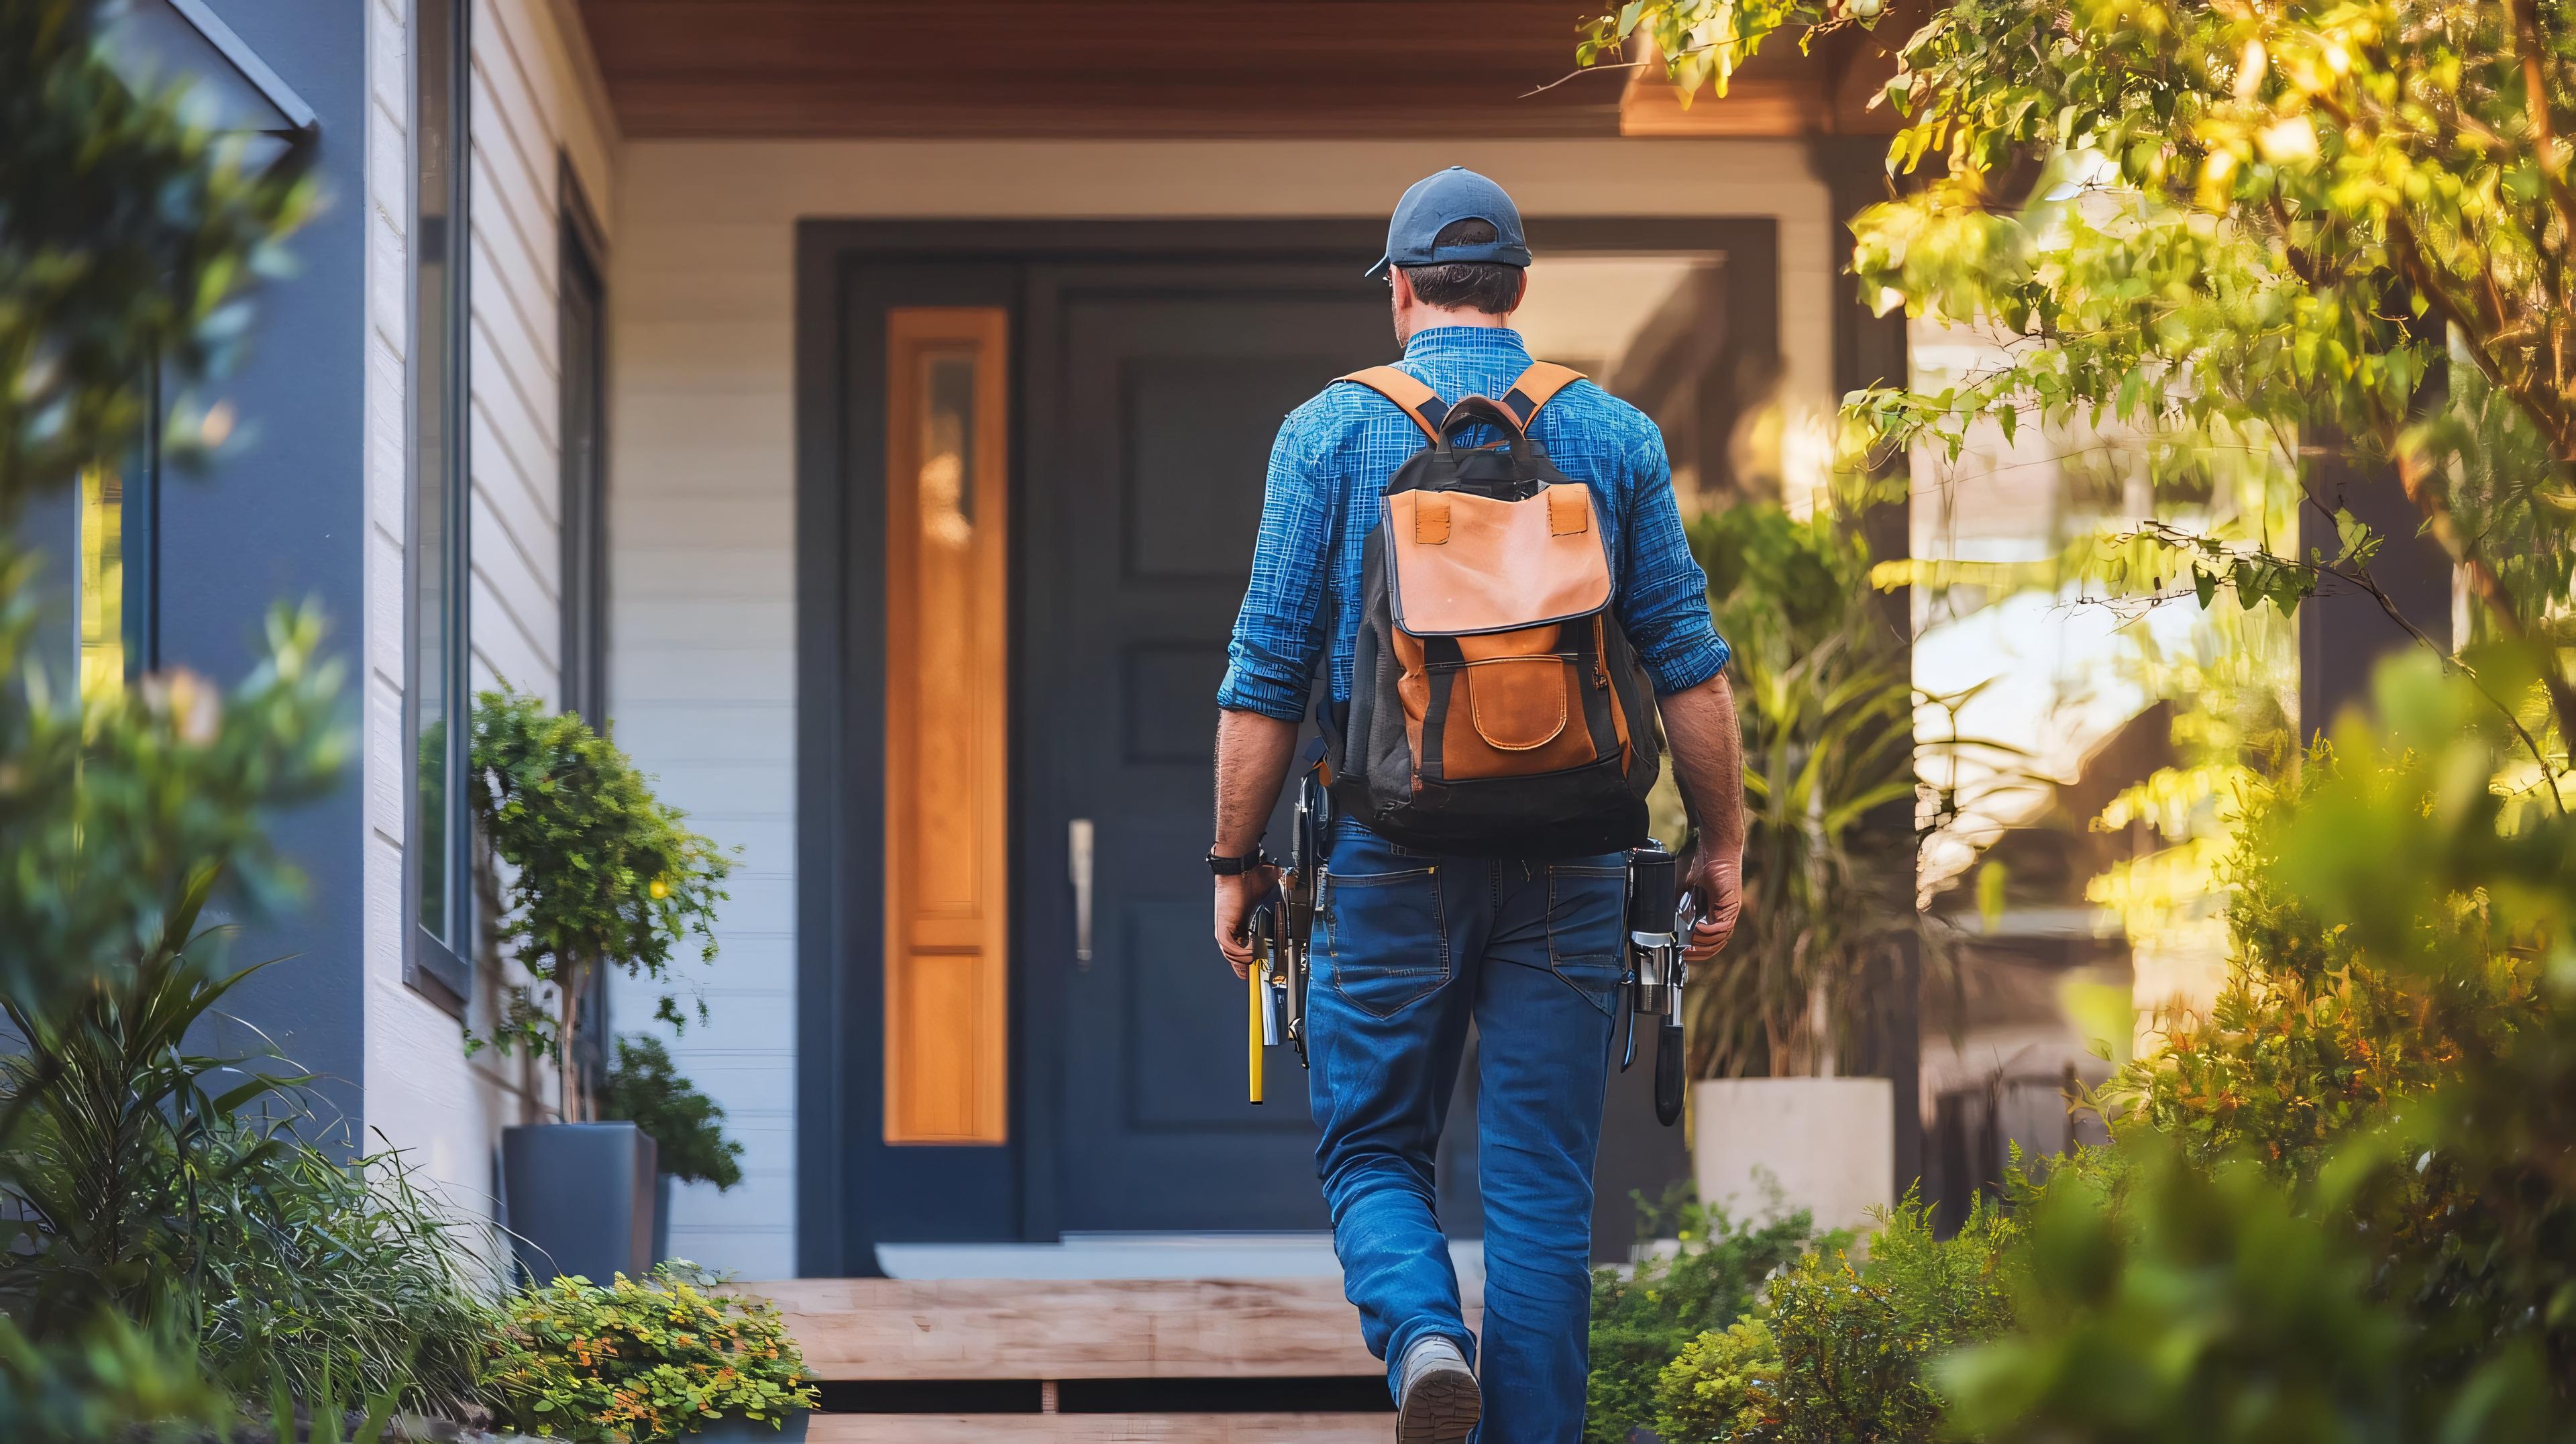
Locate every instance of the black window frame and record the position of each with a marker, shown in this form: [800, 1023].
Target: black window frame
[441, 968]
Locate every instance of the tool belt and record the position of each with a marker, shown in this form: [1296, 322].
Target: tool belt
[1275, 986]
[1659, 918]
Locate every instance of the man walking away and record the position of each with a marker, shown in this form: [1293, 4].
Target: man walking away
[1431, 918]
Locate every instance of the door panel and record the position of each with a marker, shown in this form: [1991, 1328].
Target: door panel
[1170, 385]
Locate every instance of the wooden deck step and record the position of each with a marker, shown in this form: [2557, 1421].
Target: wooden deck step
[1101, 1428]
[960, 1329]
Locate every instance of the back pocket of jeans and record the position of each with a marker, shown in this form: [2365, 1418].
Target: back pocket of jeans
[1384, 938]
[1586, 912]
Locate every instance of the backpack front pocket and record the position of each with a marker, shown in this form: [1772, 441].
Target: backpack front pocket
[1508, 717]
[1516, 704]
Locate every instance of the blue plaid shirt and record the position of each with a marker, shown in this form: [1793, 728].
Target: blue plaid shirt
[1332, 460]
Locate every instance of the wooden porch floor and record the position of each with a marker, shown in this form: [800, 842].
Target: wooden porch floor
[1101, 1428]
[1001, 1331]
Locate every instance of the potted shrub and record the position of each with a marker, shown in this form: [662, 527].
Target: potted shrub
[663, 1358]
[601, 874]
[686, 1126]
[1824, 689]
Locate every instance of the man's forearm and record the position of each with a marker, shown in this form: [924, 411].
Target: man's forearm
[1253, 754]
[1708, 760]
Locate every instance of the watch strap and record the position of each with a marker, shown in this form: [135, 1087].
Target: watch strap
[1224, 866]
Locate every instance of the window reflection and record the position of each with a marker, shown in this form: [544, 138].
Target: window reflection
[948, 448]
[102, 580]
[1651, 329]
[2108, 727]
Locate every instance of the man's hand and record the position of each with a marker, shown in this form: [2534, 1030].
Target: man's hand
[1252, 757]
[1236, 897]
[1715, 879]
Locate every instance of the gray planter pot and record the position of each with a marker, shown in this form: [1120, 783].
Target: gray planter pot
[662, 1184]
[752, 1431]
[580, 1198]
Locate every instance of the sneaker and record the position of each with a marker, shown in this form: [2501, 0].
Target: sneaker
[1439, 1402]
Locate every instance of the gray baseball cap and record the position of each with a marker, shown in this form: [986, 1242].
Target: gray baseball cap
[1431, 203]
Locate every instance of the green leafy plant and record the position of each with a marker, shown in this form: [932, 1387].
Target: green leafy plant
[326, 1277]
[1838, 1350]
[146, 1187]
[114, 1133]
[106, 1379]
[637, 1361]
[603, 873]
[2191, 1304]
[2310, 1041]
[1722, 1388]
[1641, 1317]
[1826, 700]
[2343, 1213]
[115, 806]
[2430, 867]
[686, 1126]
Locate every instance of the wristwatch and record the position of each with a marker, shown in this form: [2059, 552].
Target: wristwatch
[1224, 866]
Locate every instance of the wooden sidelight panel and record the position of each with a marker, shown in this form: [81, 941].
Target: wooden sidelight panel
[947, 788]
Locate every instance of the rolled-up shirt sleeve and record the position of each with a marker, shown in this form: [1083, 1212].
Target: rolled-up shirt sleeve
[1663, 602]
[1279, 634]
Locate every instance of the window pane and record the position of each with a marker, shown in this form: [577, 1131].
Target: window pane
[102, 580]
[585, 584]
[437, 249]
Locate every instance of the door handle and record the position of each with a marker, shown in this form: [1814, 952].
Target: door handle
[1078, 871]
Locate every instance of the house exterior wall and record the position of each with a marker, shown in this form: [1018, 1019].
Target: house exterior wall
[535, 96]
[702, 480]
[275, 519]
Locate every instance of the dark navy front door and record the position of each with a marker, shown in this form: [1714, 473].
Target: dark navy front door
[1169, 384]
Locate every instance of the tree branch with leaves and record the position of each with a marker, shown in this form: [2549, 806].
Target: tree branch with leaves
[602, 873]
[2349, 222]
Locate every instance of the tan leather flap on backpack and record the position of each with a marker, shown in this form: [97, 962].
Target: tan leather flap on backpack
[1497, 564]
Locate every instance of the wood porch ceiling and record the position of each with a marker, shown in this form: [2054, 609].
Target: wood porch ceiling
[1157, 68]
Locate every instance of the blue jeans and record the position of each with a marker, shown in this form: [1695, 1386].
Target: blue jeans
[1408, 949]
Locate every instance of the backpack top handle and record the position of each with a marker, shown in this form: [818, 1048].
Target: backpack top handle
[1473, 409]
[1533, 389]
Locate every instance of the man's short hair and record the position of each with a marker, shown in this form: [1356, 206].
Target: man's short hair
[1487, 286]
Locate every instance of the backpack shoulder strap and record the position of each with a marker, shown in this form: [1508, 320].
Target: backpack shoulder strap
[1419, 401]
[1536, 386]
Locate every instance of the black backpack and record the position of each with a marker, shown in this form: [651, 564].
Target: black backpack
[1496, 708]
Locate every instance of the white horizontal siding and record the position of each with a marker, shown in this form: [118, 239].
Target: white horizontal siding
[702, 668]
[531, 99]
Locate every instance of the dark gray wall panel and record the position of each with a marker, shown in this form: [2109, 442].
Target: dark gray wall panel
[280, 518]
